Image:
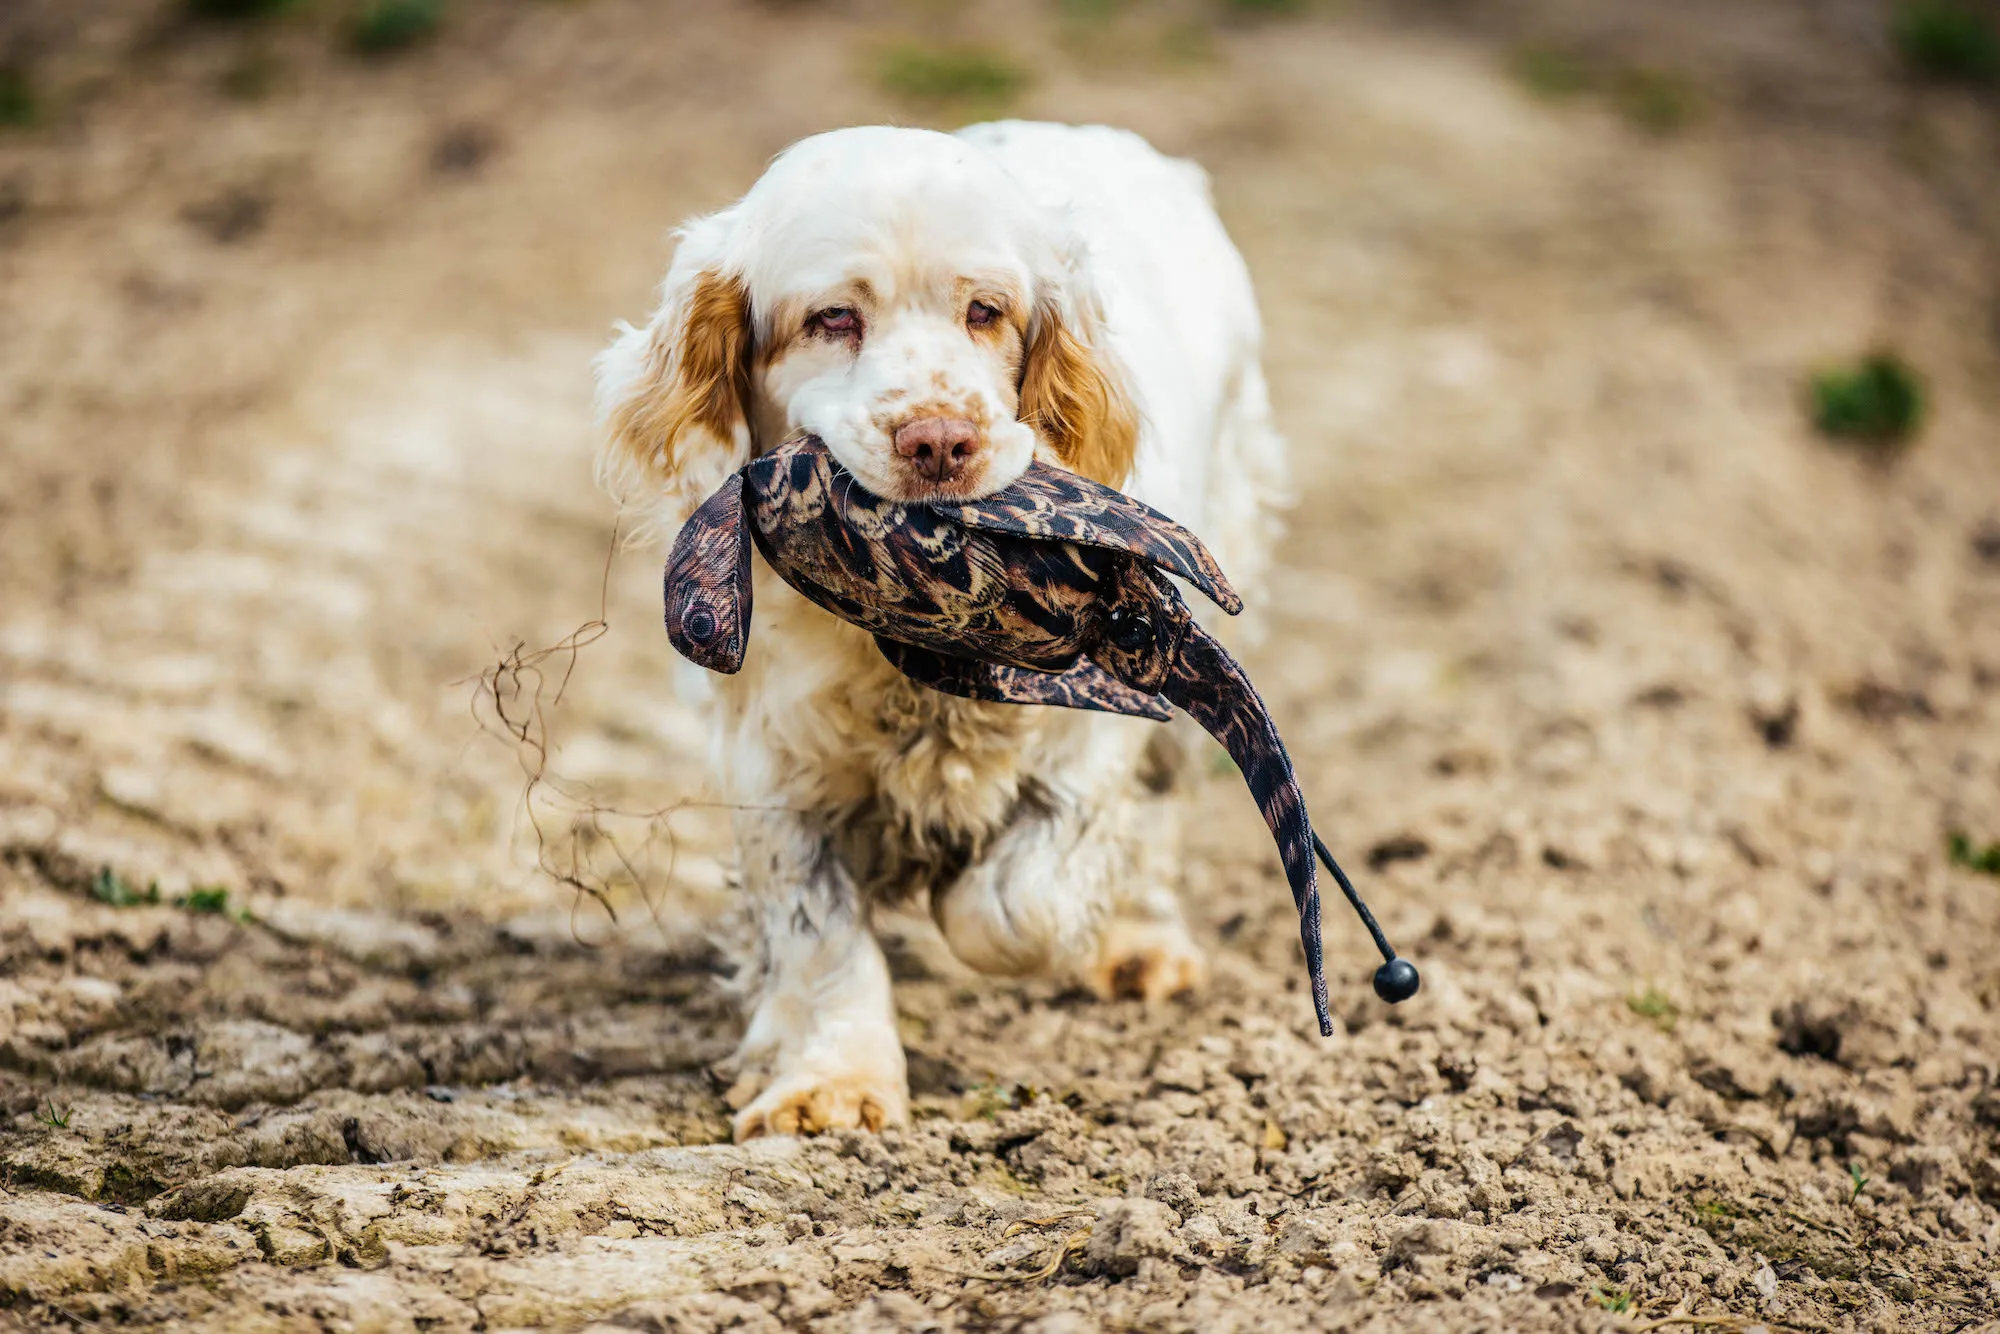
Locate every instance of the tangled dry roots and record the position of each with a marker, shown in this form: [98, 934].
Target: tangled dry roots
[589, 845]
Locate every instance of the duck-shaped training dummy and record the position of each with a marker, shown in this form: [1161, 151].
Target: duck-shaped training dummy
[1049, 591]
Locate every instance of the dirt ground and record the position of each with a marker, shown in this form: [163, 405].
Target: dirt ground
[1648, 712]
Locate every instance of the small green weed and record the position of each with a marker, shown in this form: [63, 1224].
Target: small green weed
[213, 899]
[382, 26]
[1552, 73]
[987, 1101]
[210, 899]
[109, 887]
[1658, 101]
[1615, 1300]
[1964, 852]
[55, 1118]
[1859, 1182]
[942, 75]
[1947, 40]
[252, 79]
[238, 9]
[1115, 33]
[1655, 1005]
[1714, 1211]
[18, 105]
[1878, 401]
[114, 889]
[1187, 44]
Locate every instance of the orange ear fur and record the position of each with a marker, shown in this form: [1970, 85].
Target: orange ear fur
[1077, 404]
[696, 378]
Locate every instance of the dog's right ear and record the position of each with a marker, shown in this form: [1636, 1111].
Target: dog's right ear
[673, 397]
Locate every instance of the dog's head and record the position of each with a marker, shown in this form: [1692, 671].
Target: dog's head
[894, 292]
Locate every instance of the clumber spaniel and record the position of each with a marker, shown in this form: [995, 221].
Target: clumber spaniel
[939, 309]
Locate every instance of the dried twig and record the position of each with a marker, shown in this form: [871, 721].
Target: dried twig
[1830, 1229]
[1063, 1248]
[1021, 1224]
[578, 838]
[508, 700]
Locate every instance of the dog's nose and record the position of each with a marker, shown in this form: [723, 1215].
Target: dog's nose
[940, 447]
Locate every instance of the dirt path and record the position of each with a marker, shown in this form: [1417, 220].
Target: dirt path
[1650, 712]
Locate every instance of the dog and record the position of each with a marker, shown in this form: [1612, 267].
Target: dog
[941, 309]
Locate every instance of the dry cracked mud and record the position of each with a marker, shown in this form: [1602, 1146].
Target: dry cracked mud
[1649, 712]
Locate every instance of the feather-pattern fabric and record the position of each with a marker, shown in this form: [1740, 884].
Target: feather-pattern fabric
[1049, 592]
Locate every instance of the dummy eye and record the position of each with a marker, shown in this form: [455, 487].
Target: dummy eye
[700, 625]
[979, 314]
[1129, 631]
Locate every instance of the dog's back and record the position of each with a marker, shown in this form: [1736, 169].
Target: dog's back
[1182, 319]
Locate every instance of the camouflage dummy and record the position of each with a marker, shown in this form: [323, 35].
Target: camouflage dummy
[1050, 591]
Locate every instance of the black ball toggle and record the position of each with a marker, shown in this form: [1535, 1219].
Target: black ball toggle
[1397, 980]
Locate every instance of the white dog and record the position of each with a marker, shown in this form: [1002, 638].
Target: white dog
[939, 309]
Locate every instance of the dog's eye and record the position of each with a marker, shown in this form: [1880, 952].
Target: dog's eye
[979, 314]
[835, 320]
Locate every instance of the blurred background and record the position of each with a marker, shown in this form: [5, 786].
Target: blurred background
[1638, 627]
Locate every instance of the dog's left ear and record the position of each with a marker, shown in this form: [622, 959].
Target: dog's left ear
[1073, 391]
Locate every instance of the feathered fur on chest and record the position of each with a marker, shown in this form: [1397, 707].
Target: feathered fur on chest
[913, 784]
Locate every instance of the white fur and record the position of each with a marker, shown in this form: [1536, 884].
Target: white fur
[866, 784]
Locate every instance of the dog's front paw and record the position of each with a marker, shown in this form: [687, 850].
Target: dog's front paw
[813, 1104]
[1146, 960]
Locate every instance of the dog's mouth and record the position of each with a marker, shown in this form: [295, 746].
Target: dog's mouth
[899, 481]
[958, 491]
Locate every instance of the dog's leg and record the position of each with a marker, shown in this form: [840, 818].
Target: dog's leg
[821, 1050]
[1036, 901]
[1078, 888]
[1145, 951]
